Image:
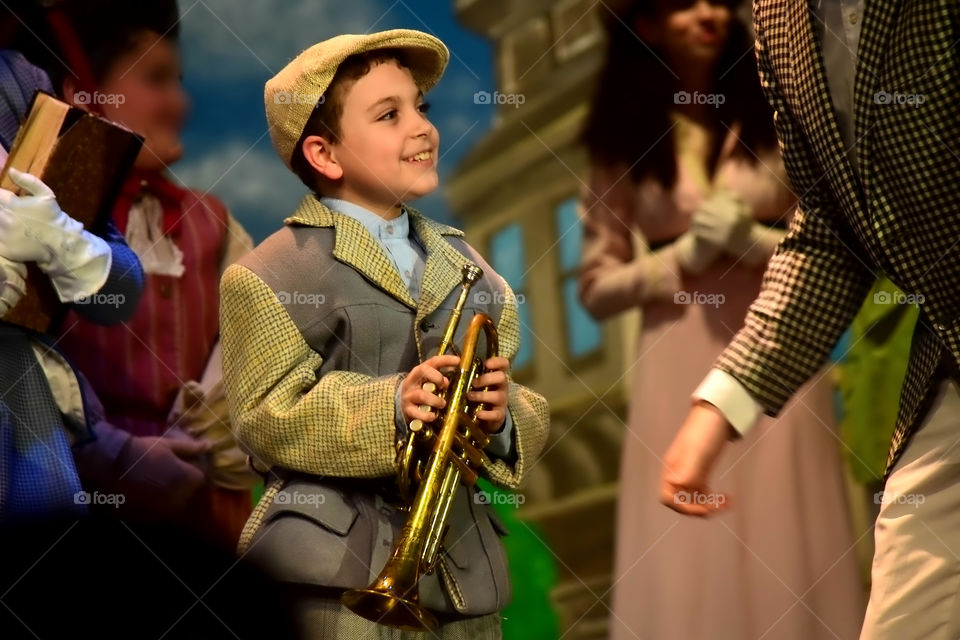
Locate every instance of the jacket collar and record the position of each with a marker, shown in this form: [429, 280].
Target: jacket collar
[355, 246]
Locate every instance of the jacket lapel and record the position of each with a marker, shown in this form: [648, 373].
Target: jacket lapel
[442, 271]
[353, 245]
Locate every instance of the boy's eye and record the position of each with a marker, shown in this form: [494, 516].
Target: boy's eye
[424, 107]
[389, 115]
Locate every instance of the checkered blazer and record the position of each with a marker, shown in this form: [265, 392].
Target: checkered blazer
[900, 215]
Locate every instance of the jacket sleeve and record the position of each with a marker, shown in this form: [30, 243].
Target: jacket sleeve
[117, 299]
[613, 276]
[813, 285]
[528, 409]
[283, 411]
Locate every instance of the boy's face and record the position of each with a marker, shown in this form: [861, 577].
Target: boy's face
[388, 148]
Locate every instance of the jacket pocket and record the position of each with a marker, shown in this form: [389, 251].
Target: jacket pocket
[307, 537]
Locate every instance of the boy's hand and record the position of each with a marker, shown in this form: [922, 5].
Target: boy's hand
[412, 393]
[495, 397]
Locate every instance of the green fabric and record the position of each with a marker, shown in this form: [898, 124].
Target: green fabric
[871, 376]
[529, 616]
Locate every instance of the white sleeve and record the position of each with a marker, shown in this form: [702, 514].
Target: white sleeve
[725, 392]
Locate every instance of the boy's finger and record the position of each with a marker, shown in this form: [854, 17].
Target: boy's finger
[492, 379]
[416, 413]
[491, 398]
[440, 362]
[498, 363]
[429, 374]
[491, 421]
[420, 397]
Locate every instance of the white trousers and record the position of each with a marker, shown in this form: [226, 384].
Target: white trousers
[916, 566]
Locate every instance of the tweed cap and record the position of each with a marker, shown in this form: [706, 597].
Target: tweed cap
[291, 95]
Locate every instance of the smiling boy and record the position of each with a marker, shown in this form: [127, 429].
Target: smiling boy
[328, 331]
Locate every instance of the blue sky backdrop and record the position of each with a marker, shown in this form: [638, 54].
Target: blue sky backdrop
[231, 48]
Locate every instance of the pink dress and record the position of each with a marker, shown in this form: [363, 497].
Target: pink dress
[780, 563]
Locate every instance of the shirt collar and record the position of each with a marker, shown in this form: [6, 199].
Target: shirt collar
[379, 228]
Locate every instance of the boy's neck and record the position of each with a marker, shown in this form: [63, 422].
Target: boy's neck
[387, 212]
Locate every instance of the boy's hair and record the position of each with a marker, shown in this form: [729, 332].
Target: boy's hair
[325, 119]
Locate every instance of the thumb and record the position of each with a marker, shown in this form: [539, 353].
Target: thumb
[188, 448]
[29, 183]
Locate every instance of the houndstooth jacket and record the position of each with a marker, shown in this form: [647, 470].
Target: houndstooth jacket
[900, 215]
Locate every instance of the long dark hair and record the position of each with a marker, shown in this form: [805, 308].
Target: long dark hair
[629, 112]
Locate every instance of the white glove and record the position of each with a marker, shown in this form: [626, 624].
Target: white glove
[34, 229]
[694, 254]
[723, 220]
[12, 284]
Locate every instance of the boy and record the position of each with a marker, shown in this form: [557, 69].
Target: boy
[329, 329]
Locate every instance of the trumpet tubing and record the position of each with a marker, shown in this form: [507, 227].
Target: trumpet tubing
[429, 462]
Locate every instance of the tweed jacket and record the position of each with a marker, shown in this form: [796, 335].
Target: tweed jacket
[318, 330]
[900, 215]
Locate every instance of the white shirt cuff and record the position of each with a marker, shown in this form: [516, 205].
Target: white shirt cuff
[731, 398]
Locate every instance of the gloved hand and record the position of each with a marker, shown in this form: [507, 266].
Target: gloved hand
[205, 416]
[723, 221]
[694, 254]
[33, 228]
[12, 284]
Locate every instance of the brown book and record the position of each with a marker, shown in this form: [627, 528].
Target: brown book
[84, 159]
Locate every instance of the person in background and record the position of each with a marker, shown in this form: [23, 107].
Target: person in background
[158, 375]
[42, 408]
[685, 204]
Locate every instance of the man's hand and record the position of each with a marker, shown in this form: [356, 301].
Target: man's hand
[495, 397]
[689, 460]
[412, 394]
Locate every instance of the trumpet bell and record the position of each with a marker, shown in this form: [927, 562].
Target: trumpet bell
[389, 608]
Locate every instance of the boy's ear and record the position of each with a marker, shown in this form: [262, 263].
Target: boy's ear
[321, 155]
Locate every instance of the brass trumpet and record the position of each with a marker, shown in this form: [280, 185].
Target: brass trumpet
[429, 461]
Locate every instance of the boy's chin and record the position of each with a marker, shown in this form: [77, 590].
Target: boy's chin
[421, 188]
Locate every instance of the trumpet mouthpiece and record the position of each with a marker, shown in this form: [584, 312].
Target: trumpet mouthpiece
[471, 273]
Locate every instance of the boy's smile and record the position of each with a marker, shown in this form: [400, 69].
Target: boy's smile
[388, 148]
